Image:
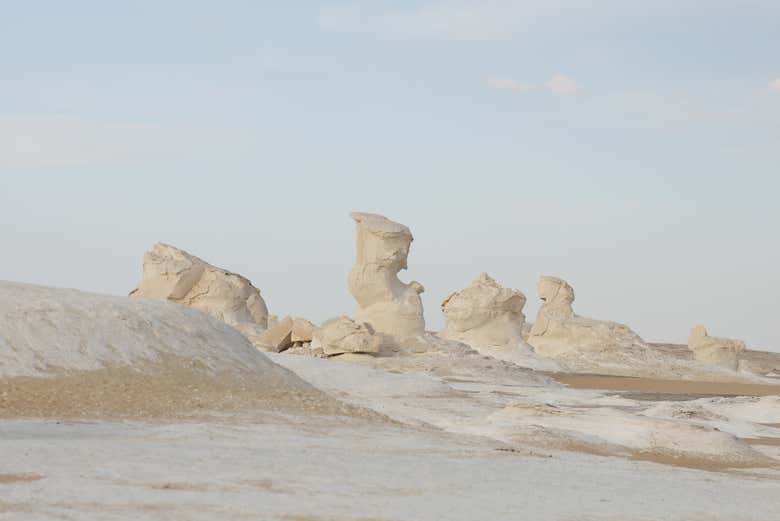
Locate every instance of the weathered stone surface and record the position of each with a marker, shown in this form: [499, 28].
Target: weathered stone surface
[272, 321]
[489, 318]
[51, 331]
[302, 330]
[558, 330]
[277, 337]
[485, 313]
[344, 335]
[387, 304]
[723, 352]
[173, 274]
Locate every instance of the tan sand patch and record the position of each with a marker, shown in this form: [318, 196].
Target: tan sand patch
[15, 478]
[293, 517]
[170, 390]
[266, 485]
[651, 385]
[763, 441]
[691, 462]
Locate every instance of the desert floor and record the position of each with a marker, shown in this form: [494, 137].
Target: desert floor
[427, 454]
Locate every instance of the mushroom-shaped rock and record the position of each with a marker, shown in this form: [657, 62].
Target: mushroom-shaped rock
[723, 352]
[344, 335]
[558, 330]
[387, 304]
[173, 274]
[485, 313]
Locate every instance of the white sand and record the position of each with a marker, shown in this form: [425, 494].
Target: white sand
[472, 437]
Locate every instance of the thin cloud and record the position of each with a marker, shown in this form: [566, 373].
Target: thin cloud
[562, 85]
[55, 140]
[488, 19]
[774, 85]
[510, 85]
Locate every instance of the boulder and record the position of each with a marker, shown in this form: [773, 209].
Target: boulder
[723, 352]
[344, 335]
[390, 306]
[278, 337]
[302, 330]
[559, 331]
[485, 313]
[174, 275]
[489, 318]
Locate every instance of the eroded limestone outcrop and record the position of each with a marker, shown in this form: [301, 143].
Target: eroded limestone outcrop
[174, 275]
[723, 352]
[387, 304]
[302, 331]
[485, 313]
[343, 335]
[559, 331]
[489, 318]
[277, 337]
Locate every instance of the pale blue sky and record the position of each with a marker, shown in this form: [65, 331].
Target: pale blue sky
[631, 147]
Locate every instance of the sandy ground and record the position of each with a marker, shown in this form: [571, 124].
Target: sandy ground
[402, 446]
[169, 390]
[119, 409]
[294, 468]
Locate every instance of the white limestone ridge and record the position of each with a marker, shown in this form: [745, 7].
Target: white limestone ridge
[45, 331]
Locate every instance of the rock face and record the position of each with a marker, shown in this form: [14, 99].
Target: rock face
[284, 334]
[489, 318]
[723, 352]
[344, 335]
[485, 313]
[558, 330]
[387, 304]
[276, 338]
[302, 331]
[174, 275]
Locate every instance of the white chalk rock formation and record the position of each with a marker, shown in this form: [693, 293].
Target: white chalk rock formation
[723, 352]
[173, 274]
[44, 331]
[343, 335]
[387, 304]
[485, 313]
[276, 338]
[489, 318]
[559, 331]
[302, 331]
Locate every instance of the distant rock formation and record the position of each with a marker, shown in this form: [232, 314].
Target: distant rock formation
[284, 334]
[489, 318]
[302, 331]
[174, 275]
[723, 352]
[558, 330]
[387, 304]
[485, 313]
[344, 335]
[276, 338]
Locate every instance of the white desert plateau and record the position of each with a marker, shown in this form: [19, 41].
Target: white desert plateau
[188, 399]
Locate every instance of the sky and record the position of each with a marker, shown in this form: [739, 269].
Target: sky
[630, 147]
